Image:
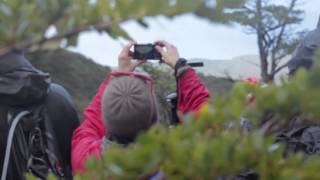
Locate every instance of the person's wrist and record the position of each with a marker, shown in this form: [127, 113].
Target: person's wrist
[172, 62]
[124, 69]
[181, 63]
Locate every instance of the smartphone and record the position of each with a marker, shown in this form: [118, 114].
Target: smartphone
[146, 52]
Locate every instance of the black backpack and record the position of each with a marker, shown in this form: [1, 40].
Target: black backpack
[301, 139]
[20, 83]
[39, 144]
[32, 148]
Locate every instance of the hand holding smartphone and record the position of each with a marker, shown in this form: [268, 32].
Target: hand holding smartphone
[146, 52]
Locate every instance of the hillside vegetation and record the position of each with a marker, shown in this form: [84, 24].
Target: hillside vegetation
[79, 75]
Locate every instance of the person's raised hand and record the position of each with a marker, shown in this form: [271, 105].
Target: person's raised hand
[168, 52]
[125, 62]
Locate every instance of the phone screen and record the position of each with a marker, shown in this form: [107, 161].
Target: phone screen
[143, 48]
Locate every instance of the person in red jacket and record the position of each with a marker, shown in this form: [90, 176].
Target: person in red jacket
[125, 105]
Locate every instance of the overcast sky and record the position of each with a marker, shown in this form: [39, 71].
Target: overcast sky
[194, 37]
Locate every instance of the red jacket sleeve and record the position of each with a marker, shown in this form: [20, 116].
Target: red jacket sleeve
[87, 139]
[192, 93]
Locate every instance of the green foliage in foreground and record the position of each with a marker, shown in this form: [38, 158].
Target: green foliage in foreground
[208, 148]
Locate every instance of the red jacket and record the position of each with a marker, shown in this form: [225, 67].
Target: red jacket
[87, 140]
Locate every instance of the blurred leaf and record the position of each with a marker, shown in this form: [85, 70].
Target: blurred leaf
[117, 31]
[72, 41]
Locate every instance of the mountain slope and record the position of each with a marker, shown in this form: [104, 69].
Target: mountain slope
[236, 68]
[79, 75]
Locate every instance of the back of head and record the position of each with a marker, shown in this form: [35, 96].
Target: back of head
[128, 107]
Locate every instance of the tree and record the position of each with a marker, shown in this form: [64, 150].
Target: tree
[24, 23]
[274, 26]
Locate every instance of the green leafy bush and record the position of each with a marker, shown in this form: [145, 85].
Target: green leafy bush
[209, 146]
